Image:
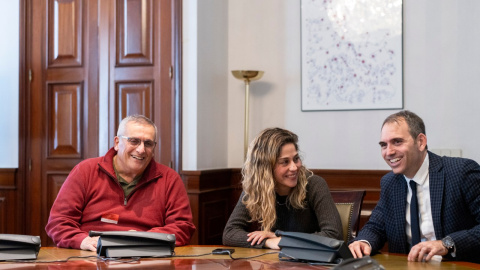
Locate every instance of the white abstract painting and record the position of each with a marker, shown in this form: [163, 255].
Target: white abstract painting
[351, 54]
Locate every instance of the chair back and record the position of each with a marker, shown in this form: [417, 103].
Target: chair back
[349, 206]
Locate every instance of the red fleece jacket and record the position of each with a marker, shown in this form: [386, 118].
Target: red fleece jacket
[159, 203]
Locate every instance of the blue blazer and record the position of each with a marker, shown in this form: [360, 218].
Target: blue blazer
[455, 201]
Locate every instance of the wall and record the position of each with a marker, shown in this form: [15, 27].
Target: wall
[205, 90]
[441, 78]
[9, 89]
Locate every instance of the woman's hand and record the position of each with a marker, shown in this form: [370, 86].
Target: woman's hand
[273, 242]
[257, 237]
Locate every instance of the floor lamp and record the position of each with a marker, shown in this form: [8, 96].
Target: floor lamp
[247, 76]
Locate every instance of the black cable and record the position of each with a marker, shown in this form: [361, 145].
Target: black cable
[121, 260]
[52, 261]
[135, 259]
[194, 255]
[98, 258]
[229, 254]
[251, 257]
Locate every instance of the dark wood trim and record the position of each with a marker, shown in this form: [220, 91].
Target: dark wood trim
[200, 181]
[8, 178]
[177, 84]
[368, 180]
[9, 213]
[212, 196]
[24, 109]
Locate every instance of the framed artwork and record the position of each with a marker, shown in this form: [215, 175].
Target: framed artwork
[351, 54]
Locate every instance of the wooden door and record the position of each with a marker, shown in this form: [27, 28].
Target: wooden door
[141, 68]
[63, 90]
[62, 115]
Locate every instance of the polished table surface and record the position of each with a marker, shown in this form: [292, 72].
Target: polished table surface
[269, 261]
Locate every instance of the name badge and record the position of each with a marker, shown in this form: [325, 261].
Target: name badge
[110, 218]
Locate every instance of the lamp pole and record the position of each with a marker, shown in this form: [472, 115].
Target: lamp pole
[247, 76]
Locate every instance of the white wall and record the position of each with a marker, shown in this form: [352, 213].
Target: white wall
[205, 91]
[9, 89]
[441, 79]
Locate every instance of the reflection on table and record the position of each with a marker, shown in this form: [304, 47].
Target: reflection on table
[213, 262]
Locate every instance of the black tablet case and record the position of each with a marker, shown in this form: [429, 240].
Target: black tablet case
[296, 246]
[134, 244]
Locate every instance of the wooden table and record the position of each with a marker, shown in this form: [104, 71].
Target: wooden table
[210, 262]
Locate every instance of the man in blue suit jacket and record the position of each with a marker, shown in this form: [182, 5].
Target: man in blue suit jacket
[448, 191]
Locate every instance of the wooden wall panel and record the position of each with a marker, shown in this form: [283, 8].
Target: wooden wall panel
[211, 194]
[64, 115]
[9, 218]
[133, 98]
[210, 210]
[65, 22]
[368, 180]
[9, 211]
[216, 207]
[7, 178]
[3, 214]
[134, 31]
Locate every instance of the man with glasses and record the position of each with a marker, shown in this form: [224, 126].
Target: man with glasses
[121, 191]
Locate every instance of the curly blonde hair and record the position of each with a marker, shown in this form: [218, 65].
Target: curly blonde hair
[258, 177]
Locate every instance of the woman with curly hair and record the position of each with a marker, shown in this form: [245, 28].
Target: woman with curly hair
[279, 193]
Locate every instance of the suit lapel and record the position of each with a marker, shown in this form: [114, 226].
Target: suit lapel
[400, 193]
[437, 185]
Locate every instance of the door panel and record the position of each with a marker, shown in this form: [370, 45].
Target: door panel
[65, 25]
[134, 33]
[134, 98]
[64, 114]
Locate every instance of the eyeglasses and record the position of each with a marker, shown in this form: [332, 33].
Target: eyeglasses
[149, 144]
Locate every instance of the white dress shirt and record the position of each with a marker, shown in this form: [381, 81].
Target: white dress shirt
[427, 232]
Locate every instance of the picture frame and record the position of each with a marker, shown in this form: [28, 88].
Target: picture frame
[351, 55]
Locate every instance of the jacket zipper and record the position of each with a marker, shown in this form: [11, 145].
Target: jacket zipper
[120, 186]
[125, 198]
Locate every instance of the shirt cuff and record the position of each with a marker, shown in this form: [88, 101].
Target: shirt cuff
[365, 241]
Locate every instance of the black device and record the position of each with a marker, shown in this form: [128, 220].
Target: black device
[223, 251]
[19, 247]
[364, 263]
[134, 244]
[296, 246]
